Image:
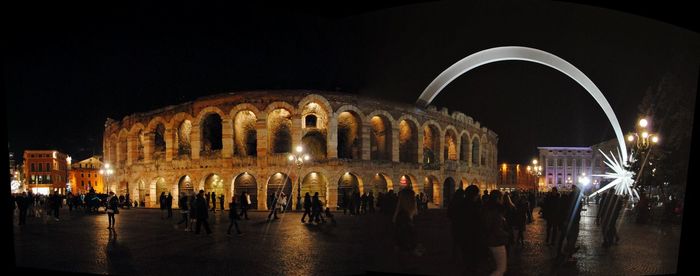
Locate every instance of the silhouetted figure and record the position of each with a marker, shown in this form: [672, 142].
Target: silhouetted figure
[496, 234]
[23, 203]
[473, 233]
[163, 206]
[202, 213]
[404, 212]
[455, 214]
[221, 203]
[273, 207]
[307, 208]
[184, 210]
[316, 209]
[572, 204]
[245, 205]
[169, 205]
[213, 202]
[370, 202]
[112, 209]
[551, 215]
[233, 216]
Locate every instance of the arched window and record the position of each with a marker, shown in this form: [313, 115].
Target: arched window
[475, 153]
[310, 121]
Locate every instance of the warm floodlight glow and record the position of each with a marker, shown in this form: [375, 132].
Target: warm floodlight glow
[655, 139]
[645, 134]
[643, 123]
[299, 149]
[534, 161]
[630, 138]
[523, 54]
[107, 165]
[306, 157]
[291, 157]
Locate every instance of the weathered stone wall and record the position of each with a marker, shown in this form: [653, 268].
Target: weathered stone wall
[258, 126]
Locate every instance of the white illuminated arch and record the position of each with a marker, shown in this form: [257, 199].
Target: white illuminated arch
[525, 54]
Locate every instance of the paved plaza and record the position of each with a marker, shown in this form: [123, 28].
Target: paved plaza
[144, 244]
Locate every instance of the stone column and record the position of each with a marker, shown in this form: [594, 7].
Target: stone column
[296, 132]
[170, 145]
[150, 138]
[332, 197]
[419, 144]
[394, 144]
[262, 143]
[262, 196]
[130, 152]
[332, 137]
[469, 154]
[458, 148]
[366, 143]
[196, 142]
[441, 148]
[227, 138]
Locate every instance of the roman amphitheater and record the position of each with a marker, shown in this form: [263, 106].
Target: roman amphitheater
[242, 141]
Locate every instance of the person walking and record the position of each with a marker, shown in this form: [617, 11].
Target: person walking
[221, 202]
[573, 206]
[316, 208]
[282, 203]
[307, 208]
[404, 212]
[163, 208]
[245, 205]
[112, 209]
[182, 203]
[496, 234]
[202, 213]
[273, 207]
[522, 207]
[233, 216]
[213, 202]
[23, 203]
[169, 205]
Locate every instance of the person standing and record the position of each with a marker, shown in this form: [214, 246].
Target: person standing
[473, 236]
[404, 212]
[202, 213]
[221, 202]
[169, 205]
[307, 208]
[193, 211]
[55, 204]
[69, 202]
[112, 209]
[161, 201]
[551, 215]
[245, 204]
[213, 202]
[370, 202]
[233, 216]
[567, 246]
[455, 214]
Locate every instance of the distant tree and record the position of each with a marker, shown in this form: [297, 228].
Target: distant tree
[670, 107]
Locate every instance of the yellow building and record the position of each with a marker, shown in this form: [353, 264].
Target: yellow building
[85, 175]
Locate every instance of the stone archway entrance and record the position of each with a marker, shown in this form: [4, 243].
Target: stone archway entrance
[278, 182]
[431, 188]
[184, 186]
[347, 185]
[246, 182]
[214, 183]
[447, 191]
[315, 182]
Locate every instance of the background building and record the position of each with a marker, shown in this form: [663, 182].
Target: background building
[46, 171]
[515, 177]
[563, 165]
[85, 175]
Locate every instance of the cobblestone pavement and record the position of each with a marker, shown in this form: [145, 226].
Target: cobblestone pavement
[144, 244]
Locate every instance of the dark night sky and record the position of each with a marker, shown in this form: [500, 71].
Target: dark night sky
[64, 73]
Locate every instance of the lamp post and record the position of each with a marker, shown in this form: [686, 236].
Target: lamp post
[643, 140]
[536, 171]
[584, 180]
[106, 171]
[298, 158]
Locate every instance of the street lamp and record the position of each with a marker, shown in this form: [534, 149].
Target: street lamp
[298, 158]
[643, 140]
[106, 171]
[536, 171]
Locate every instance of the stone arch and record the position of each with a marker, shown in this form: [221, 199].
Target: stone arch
[246, 182]
[476, 151]
[381, 127]
[408, 139]
[464, 146]
[349, 132]
[348, 183]
[431, 143]
[314, 144]
[214, 182]
[209, 125]
[182, 124]
[280, 105]
[313, 182]
[407, 180]
[245, 135]
[450, 149]
[279, 125]
[431, 188]
[276, 183]
[185, 186]
[138, 133]
[318, 99]
[158, 185]
[381, 182]
[153, 123]
[157, 127]
[448, 189]
[122, 147]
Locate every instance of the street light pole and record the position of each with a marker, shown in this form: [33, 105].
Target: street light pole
[536, 171]
[643, 141]
[298, 158]
[106, 171]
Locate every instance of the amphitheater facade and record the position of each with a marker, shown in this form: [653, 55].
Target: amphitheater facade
[237, 142]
